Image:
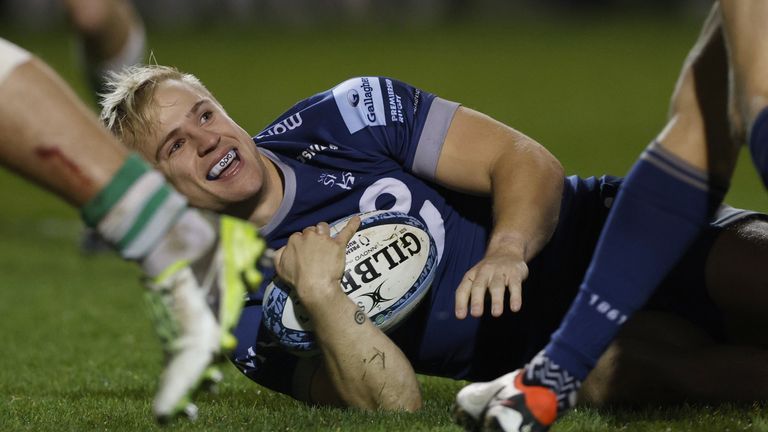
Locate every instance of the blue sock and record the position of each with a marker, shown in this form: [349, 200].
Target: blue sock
[659, 211]
[758, 144]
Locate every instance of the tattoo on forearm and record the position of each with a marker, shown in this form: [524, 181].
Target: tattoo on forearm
[359, 316]
[381, 355]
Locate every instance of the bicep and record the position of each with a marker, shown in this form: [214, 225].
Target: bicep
[475, 145]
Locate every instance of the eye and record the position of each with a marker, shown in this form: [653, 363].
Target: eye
[176, 145]
[206, 116]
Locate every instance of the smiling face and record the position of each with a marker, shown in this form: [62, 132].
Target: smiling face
[202, 151]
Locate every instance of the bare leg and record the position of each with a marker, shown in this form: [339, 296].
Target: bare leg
[746, 34]
[664, 203]
[660, 358]
[111, 37]
[737, 280]
[49, 136]
[111, 33]
[736, 276]
[698, 129]
[643, 369]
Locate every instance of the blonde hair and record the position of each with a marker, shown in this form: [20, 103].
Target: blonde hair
[125, 107]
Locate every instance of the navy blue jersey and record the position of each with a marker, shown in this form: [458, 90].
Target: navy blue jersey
[372, 143]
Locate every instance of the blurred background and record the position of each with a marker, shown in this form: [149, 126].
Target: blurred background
[181, 13]
[590, 79]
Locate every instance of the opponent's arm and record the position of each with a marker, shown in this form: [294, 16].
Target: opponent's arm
[361, 366]
[483, 156]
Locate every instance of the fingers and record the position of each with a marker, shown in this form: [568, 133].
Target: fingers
[479, 283]
[278, 256]
[472, 291]
[497, 288]
[516, 287]
[515, 298]
[345, 235]
[323, 228]
[477, 297]
[462, 295]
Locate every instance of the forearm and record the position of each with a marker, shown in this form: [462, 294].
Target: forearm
[525, 182]
[365, 367]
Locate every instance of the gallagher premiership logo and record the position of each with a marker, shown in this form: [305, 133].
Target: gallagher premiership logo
[361, 103]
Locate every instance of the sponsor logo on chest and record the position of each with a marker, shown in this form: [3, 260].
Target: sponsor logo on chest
[283, 126]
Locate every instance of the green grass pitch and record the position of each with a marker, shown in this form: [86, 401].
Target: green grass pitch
[76, 348]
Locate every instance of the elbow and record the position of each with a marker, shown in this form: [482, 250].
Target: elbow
[387, 398]
[409, 401]
[414, 404]
[553, 165]
[558, 169]
[397, 393]
[545, 160]
[553, 171]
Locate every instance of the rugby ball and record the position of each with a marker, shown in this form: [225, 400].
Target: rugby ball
[390, 264]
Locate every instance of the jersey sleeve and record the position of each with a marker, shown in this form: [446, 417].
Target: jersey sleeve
[395, 119]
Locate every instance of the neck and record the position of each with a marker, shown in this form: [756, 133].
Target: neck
[269, 201]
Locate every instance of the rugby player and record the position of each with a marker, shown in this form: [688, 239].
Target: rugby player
[496, 202]
[665, 203]
[135, 209]
[110, 36]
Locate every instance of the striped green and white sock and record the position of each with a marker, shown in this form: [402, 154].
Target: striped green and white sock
[140, 214]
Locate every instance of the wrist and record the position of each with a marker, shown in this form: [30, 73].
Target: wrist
[316, 291]
[509, 243]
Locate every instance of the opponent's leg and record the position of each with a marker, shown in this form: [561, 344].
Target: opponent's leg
[662, 206]
[664, 203]
[746, 33]
[660, 358]
[49, 136]
[111, 36]
[737, 280]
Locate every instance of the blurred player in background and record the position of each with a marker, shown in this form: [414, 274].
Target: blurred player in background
[110, 36]
[138, 213]
[495, 201]
[664, 205]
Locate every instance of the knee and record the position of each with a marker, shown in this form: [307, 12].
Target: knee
[93, 18]
[88, 16]
[698, 129]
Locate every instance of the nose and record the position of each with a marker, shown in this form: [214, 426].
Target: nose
[208, 141]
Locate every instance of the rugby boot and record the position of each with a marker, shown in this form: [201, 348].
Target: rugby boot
[505, 404]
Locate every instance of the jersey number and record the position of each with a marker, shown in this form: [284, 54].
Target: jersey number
[403, 203]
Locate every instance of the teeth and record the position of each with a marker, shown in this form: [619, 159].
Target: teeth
[221, 165]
